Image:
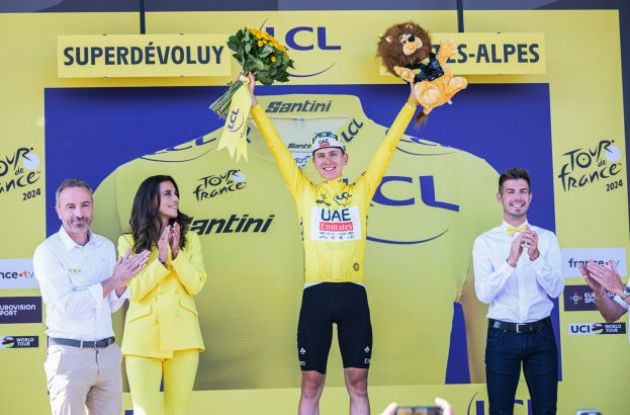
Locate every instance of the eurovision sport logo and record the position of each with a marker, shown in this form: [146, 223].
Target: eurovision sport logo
[594, 329]
[20, 310]
[18, 342]
[580, 298]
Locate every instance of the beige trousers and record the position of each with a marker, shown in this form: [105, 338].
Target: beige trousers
[88, 377]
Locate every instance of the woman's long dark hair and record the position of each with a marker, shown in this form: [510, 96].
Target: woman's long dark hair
[145, 222]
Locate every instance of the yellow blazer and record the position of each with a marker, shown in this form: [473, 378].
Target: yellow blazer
[162, 314]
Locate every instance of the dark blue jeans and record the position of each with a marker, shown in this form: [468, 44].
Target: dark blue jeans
[505, 351]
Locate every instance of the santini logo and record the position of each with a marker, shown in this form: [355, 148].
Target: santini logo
[233, 224]
[300, 106]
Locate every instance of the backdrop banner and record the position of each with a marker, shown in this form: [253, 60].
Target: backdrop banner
[528, 104]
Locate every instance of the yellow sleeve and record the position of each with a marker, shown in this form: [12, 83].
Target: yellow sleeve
[288, 168]
[106, 218]
[147, 279]
[475, 319]
[188, 265]
[378, 166]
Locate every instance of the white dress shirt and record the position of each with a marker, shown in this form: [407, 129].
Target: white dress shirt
[69, 277]
[517, 294]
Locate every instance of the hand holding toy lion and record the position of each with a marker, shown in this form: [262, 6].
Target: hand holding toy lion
[406, 47]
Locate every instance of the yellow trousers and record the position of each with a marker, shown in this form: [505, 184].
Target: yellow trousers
[178, 374]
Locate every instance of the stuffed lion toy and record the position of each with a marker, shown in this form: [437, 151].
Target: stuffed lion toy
[406, 47]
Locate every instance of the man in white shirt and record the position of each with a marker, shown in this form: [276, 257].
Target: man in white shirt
[82, 284]
[517, 272]
[605, 279]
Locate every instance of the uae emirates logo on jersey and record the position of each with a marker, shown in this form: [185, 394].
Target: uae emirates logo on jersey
[336, 224]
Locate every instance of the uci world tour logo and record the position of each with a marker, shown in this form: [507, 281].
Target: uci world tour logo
[584, 166]
[594, 329]
[307, 39]
[18, 342]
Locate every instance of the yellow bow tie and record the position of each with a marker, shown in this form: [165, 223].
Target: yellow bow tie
[515, 229]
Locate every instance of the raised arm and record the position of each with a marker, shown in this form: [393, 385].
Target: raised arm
[289, 170]
[380, 161]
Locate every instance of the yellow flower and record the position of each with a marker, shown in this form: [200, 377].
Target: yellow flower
[273, 59]
[265, 37]
[257, 33]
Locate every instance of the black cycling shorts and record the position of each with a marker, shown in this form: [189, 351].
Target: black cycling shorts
[342, 303]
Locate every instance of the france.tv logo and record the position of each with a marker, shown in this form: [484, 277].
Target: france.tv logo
[17, 273]
[572, 258]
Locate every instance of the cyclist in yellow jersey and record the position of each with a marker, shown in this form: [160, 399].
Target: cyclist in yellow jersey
[249, 317]
[333, 216]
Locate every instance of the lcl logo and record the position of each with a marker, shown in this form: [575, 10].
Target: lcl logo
[420, 190]
[426, 192]
[304, 39]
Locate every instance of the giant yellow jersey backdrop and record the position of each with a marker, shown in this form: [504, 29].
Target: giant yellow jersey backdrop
[251, 242]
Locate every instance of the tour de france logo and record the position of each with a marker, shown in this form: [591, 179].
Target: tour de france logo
[20, 173]
[585, 166]
[214, 185]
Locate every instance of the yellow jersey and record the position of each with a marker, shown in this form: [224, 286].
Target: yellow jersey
[333, 213]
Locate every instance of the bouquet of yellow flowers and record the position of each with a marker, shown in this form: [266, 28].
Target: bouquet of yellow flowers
[259, 53]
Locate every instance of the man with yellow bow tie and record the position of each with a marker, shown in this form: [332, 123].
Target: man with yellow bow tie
[517, 272]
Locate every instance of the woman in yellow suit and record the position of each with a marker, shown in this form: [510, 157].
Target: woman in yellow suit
[162, 339]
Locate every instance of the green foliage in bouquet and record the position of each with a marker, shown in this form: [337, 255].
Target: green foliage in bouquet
[257, 52]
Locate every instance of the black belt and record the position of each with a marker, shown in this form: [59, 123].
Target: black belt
[521, 327]
[82, 344]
